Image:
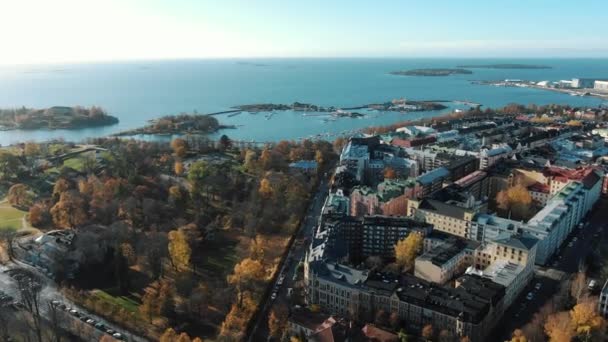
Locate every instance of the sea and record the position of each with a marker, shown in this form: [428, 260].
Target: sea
[137, 92]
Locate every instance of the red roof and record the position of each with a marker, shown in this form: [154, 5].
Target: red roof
[586, 175]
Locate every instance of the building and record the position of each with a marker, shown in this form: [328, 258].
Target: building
[446, 260]
[431, 181]
[552, 224]
[601, 85]
[471, 309]
[446, 217]
[355, 239]
[583, 82]
[375, 334]
[305, 166]
[489, 157]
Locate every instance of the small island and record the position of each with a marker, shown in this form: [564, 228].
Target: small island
[57, 117]
[178, 124]
[432, 72]
[505, 66]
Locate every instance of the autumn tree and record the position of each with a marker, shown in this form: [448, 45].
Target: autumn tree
[246, 275]
[559, 327]
[180, 147]
[277, 320]
[179, 250]
[168, 336]
[389, 173]
[407, 249]
[515, 200]
[7, 237]
[31, 149]
[518, 336]
[428, 332]
[70, 211]
[178, 167]
[265, 188]
[586, 320]
[250, 160]
[61, 186]
[20, 195]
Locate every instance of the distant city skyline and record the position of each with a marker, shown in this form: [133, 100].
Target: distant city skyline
[59, 31]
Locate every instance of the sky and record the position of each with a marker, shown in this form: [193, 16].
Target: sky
[59, 31]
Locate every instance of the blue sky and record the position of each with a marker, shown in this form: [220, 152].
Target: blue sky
[84, 30]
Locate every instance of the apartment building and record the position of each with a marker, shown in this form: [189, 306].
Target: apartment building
[471, 309]
[446, 260]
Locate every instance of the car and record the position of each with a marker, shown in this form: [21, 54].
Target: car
[117, 336]
[62, 307]
[100, 326]
[110, 331]
[530, 296]
[555, 263]
[273, 296]
[538, 286]
[571, 244]
[91, 321]
[84, 318]
[73, 312]
[55, 302]
[575, 239]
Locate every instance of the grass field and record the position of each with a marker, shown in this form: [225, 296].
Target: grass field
[74, 163]
[10, 218]
[127, 303]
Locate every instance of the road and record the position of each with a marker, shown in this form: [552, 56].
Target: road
[295, 254]
[49, 293]
[565, 263]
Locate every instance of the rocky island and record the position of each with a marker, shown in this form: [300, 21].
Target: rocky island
[505, 66]
[178, 124]
[432, 72]
[57, 117]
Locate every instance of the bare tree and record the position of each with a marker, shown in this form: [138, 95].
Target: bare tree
[54, 319]
[30, 289]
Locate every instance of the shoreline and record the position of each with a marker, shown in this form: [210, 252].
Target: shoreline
[585, 92]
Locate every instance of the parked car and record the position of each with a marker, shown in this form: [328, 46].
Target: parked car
[538, 286]
[273, 296]
[530, 296]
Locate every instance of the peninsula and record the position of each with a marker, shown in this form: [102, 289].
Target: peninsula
[432, 72]
[396, 105]
[178, 124]
[57, 117]
[505, 66]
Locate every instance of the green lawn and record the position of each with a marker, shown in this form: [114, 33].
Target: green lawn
[10, 217]
[74, 163]
[127, 303]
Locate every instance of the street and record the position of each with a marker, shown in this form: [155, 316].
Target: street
[51, 293]
[562, 265]
[295, 254]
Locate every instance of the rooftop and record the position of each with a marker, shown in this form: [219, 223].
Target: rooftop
[443, 208]
[433, 175]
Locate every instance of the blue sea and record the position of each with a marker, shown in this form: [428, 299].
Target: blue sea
[136, 92]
